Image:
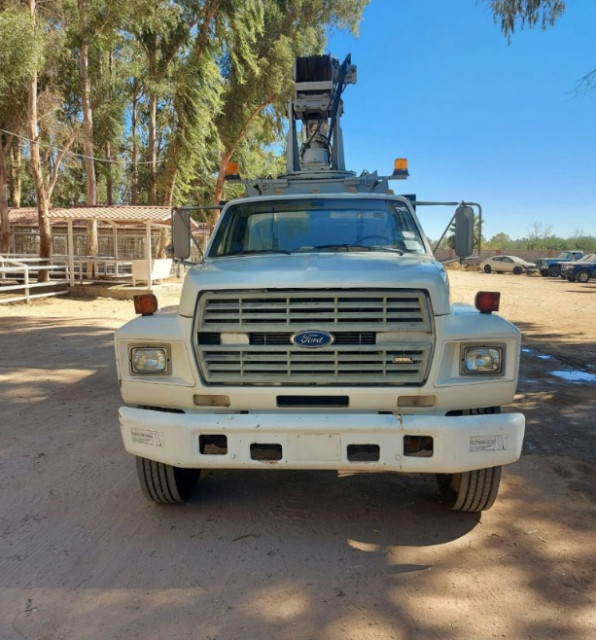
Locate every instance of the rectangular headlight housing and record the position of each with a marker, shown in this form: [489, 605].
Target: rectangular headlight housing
[482, 360]
[154, 360]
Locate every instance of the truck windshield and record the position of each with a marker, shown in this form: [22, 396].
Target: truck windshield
[301, 225]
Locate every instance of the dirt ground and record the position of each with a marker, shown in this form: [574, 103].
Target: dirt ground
[290, 555]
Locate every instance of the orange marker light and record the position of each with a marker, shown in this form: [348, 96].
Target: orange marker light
[400, 168]
[145, 304]
[487, 301]
[232, 171]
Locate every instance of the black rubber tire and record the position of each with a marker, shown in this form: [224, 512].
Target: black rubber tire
[583, 276]
[470, 491]
[517, 271]
[544, 273]
[164, 483]
[487, 268]
[570, 278]
[554, 271]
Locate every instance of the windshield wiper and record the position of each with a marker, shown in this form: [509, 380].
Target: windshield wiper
[386, 247]
[332, 247]
[351, 247]
[246, 252]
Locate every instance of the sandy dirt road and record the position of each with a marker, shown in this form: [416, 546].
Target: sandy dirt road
[288, 555]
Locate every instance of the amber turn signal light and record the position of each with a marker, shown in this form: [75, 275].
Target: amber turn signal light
[487, 301]
[145, 304]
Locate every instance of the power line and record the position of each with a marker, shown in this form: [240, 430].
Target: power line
[74, 153]
[96, 158]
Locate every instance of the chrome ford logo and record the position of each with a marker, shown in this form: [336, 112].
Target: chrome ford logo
[312, 339]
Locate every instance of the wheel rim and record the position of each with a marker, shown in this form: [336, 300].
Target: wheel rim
[583, 276]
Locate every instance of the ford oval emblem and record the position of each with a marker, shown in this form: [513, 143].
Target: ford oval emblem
[312, 339]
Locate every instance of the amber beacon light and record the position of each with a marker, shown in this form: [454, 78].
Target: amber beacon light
[400, 168]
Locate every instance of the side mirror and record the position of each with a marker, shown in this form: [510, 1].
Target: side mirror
[464, 231]
[181, 234]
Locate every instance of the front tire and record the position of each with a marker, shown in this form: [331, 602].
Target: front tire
[487, 268]
[517, 271]
[544, 272]
[583, 276]
[470, 491]
[164, 483]
[554, 271]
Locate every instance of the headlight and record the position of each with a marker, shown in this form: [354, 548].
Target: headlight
[482, 360]
[145, 360]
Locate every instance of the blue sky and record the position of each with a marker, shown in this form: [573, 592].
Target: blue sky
[478, 119]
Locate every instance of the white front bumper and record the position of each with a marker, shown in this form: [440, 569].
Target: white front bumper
[320, 441]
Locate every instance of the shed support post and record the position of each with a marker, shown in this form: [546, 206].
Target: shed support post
[148, 256]
[71, 271]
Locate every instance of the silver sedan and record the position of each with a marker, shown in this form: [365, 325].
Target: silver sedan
[507, 264]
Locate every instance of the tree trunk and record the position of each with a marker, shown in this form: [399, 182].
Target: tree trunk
[109, 178]
[221, 176]
[162, 245]
[45, 232]
[109, 181]
[152, 150]
[152, 194]
[169, 194]
[15, 182]
[4, 231]
[88, 146]
[134, 181]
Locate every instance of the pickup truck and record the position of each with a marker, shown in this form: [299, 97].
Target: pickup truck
[583, 270]
[552, 266]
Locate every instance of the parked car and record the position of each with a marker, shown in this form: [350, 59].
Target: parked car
[552, 266]
[507, 264]
[582, 271]
[566, 266]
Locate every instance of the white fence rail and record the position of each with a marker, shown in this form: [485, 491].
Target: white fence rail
[23, 272]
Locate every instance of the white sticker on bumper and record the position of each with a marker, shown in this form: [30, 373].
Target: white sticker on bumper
[146, 436]
[488, 443]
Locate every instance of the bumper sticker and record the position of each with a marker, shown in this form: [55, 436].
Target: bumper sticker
[488, 443]
[146, 436]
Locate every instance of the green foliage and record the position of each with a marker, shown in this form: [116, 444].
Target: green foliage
[204, 77]
[512, 13]
[22, 48]
[499, 241]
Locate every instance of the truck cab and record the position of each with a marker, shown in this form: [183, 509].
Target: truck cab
[318, 332]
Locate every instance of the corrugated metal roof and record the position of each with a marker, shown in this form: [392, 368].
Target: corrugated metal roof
[116, 213]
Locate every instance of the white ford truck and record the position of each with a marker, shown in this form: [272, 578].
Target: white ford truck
[317, 332]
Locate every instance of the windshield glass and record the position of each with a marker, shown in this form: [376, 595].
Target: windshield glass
[301, 225]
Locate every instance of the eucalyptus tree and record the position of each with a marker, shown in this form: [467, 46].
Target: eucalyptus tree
[20, 56]
[162, 30]
[227, 32]
[256, 94]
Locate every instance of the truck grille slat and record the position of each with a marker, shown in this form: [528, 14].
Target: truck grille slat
[354, 318]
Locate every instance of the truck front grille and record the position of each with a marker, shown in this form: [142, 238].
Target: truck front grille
[380, 337]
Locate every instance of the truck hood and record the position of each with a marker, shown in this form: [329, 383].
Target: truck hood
[318, 271]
